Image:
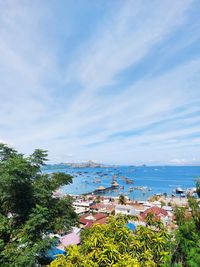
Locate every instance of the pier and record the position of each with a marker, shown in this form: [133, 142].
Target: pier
[102, 189]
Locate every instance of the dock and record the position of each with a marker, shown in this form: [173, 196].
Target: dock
[102, 189]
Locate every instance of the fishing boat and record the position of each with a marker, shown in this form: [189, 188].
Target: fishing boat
[129, 181]
[97, 180]
[115, 184]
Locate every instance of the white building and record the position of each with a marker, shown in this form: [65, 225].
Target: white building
[82, 206]
[126, 210]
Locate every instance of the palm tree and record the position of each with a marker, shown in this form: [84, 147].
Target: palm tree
[122, 200]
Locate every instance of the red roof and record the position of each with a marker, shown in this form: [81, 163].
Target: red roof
[97, 206]
[102, 221]
[156, 211]
[88, 224]
[108, 207]
[83, 220]
[98, 218]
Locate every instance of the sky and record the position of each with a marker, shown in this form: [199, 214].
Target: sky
[112, 81]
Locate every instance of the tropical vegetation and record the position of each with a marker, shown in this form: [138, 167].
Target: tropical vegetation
[187, 237]
[151, 245]
[115, 245]
[198, 187]
[29, 211]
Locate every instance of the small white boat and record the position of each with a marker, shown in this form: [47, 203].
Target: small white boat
[179, 190]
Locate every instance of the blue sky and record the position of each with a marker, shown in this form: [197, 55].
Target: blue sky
[113, 81]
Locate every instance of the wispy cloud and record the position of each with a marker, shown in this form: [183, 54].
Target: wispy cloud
[125, 89]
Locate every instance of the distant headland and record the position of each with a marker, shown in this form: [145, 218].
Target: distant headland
[84, 164]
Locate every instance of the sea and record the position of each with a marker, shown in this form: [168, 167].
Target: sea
[147, 180]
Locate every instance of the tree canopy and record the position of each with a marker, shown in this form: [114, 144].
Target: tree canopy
[28, 209]
[187, 238]
[117, 246]
[198, 187]
[151, 245]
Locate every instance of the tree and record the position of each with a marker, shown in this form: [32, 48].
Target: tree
[115, 245]
[122, 200]
[198, 187]
[28, 208]
[98, 199]
[187, 238]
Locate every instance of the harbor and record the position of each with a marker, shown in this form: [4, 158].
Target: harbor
[135, 182]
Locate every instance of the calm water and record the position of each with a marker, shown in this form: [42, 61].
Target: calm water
[159, 179]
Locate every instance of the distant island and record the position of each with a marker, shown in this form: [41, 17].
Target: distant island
[85, 164]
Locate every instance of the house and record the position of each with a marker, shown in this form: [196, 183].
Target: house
[159, 214]
[88, 220]
[126, 210]
[156, 203]
[69, 239]
[62, 242]
[103, 207]
[82, 206]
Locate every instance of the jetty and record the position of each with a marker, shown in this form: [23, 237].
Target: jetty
[102, 189]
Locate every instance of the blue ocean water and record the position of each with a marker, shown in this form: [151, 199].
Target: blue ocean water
[157, 179]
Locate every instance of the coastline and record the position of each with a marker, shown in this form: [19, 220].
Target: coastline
[147, 181]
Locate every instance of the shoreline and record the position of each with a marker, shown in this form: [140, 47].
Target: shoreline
[175, 200]
[146, 181]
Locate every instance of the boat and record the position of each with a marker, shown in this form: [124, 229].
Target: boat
[130, 189]
[97, 180]
[129, 181]
[115, 184]
[183, 195]
[179, 190]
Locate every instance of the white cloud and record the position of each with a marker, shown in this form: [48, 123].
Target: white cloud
[32, 78]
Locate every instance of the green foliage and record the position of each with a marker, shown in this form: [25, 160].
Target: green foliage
[122, 200]
[187, 239]
[98, 199]
[198, 187]
[115, 245]
[151, 246]
[162, 203]
[28, 208]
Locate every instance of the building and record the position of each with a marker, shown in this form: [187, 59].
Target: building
[126, 210]
[103, 207]
[159, 214]
[87, 220]
[82, 206]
